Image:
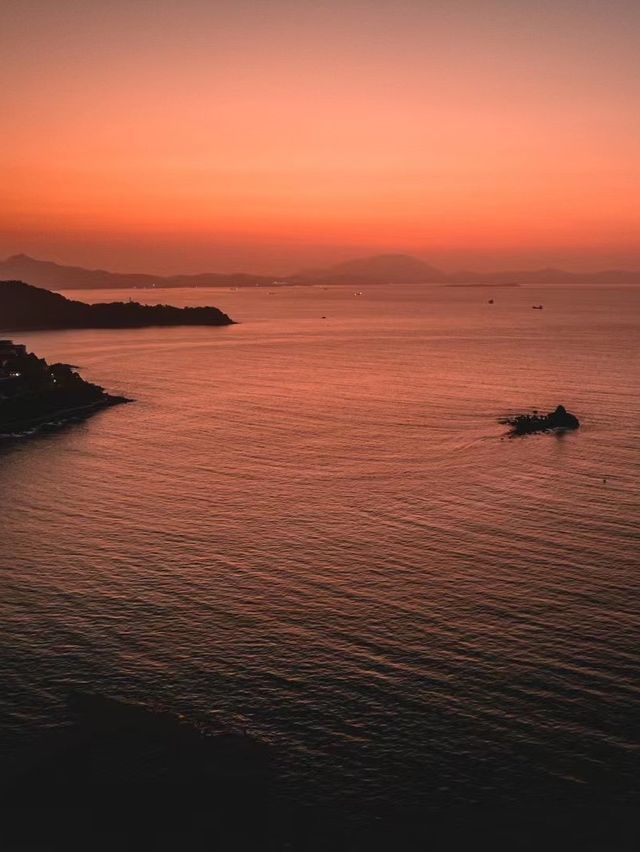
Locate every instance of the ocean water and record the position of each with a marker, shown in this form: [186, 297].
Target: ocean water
[311, 525]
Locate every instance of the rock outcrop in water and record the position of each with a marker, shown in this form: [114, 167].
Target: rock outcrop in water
[526, 424]
[36, 395]
[25, 307]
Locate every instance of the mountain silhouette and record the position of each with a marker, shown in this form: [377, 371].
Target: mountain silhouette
[54, 276]
[378, 269]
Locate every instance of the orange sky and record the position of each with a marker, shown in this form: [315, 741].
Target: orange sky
[199, 134]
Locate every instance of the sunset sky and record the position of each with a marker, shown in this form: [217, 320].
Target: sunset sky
[183, 135]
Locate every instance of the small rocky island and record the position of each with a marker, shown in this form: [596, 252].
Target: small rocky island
[23, 307]
[35, 395]
[526, 424]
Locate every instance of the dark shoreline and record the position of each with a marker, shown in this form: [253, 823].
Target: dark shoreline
[129, 776]
[57, 419]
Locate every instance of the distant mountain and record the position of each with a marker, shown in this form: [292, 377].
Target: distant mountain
[547, 276]
[404, 269]
[53, 276]
[24, 307]
[380, 269]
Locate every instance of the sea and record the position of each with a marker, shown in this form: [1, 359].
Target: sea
[312, 526]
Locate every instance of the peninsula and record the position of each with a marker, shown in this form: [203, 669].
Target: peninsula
[24, 307]
[35, 395]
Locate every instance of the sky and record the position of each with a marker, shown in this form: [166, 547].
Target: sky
[268, 135]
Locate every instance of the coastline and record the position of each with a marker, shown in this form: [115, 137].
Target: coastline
[57, 419]
[27, 308]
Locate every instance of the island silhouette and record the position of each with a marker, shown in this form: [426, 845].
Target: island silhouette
[557, 420]
[24, 307]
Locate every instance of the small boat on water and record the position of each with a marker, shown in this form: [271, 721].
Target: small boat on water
[537, 307]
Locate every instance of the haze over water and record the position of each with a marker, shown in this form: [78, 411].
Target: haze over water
[314, 528]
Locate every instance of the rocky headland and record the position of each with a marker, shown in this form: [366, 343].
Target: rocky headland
[23, 307]
[35, 395]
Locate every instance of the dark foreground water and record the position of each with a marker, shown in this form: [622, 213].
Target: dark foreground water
[312, 527]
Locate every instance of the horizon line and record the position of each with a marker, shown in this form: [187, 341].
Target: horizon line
[319, 269]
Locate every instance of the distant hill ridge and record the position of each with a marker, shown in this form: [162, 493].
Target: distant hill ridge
[54, 276]
[378, 269]
[381, 268]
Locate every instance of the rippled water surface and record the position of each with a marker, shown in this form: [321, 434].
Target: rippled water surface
[310, 525]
